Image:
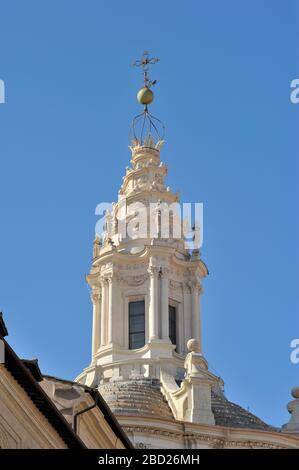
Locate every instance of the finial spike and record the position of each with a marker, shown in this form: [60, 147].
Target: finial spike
[145, 126]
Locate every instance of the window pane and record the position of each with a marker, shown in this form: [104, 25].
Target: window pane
[136, 308]
[136, 340]
[172, 324]
[136, 324]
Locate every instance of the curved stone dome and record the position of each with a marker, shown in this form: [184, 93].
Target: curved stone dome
[144, 397]
[227, 413]
[140, 396]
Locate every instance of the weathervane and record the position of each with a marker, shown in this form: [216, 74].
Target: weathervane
[144, 62]
[146, 128]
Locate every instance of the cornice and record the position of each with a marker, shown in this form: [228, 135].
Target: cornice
[139, 258]
[152, 195]
[216, 442]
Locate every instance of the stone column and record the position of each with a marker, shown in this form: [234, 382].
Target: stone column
[165, 304]
[153, 304]
[196, 320]
[187, 314]
[103, 311]
[110, 309]
[96, 327]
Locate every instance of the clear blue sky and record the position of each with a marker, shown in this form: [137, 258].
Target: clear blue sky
[232, 143]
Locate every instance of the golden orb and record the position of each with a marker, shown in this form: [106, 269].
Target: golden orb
[145, 96]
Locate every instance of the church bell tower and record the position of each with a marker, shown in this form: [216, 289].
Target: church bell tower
[145, 284]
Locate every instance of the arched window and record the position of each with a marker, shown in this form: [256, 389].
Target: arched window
[172, 323]
[136, 324]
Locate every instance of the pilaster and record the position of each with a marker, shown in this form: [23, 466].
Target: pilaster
[165, 303]
[96, 320]
[196, 320]
[153, 305]
[103, 312]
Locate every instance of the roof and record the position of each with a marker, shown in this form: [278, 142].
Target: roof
[138, 396]
[229, 414]
[3, 329]
[32, 365]
[104, 408]
[26, 375]
[144, 397]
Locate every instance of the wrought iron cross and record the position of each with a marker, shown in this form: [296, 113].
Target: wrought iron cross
[145, 62]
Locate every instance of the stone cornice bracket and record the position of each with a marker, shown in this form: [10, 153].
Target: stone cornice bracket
[153, 270]
[93, 280]
[103, 280]
[197, 287]
[95, 296]
[186, 287]
[165, 272]
[109, 272]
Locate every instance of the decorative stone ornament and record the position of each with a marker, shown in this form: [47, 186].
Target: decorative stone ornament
[293, 408]
[193, 345]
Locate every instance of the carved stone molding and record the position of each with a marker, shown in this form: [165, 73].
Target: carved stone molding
[140, 445]
[186, 287]
[153, 270]
[196, 286]
[103, 281]
[165, 271]
[176, 285]
[95, 296]
[196, 438]
[133, 281]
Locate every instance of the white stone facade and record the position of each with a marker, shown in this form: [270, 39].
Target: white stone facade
[142, 385]
[158, 271]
